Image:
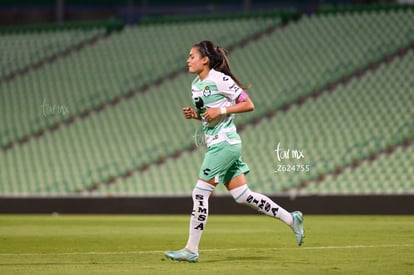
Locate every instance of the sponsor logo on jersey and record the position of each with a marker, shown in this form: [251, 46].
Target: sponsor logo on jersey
[234, 87]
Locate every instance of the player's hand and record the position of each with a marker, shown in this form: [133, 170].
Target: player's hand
[212, 113]
[189, 113]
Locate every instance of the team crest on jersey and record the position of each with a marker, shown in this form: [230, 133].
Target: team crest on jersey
[206, 91]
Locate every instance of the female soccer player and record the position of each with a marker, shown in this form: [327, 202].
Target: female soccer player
[217, 96]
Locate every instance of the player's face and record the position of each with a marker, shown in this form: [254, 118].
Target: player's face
[196, 64]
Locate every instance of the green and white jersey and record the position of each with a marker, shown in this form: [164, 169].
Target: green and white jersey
[215, 91]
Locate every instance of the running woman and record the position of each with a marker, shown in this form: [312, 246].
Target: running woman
[217, 96]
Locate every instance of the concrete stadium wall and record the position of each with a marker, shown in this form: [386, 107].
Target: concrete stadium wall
[378, 204]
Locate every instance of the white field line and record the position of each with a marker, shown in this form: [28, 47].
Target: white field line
[209, 250]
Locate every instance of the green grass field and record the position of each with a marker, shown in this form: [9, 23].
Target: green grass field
[239, 244]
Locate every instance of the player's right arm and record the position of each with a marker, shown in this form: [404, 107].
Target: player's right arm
[189, 113]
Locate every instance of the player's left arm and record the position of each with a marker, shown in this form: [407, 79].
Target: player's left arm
[243, 104]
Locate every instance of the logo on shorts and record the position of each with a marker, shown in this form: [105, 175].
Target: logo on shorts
[206, 171]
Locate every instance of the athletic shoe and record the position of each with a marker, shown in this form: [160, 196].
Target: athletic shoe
[183, 255]
[298, 226]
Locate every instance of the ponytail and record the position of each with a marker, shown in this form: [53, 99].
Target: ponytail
[217, 59]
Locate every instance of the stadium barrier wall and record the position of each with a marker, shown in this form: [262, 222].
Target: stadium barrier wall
[356, 204]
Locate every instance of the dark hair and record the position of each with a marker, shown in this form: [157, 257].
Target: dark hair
[217, 59]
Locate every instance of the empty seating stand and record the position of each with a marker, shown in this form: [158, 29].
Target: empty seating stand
[139, 144]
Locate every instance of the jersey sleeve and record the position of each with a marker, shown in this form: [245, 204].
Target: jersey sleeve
[228, 87]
